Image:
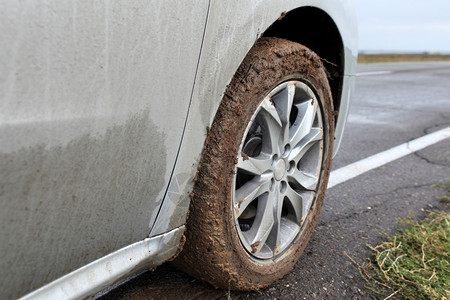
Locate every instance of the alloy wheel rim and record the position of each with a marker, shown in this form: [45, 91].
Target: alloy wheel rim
[278, 169]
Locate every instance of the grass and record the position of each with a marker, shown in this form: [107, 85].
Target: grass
[415, 263]
[379, 58]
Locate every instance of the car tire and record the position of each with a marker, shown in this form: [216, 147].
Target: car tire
[264, 169]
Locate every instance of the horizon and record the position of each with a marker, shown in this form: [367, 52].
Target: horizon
[414, 26]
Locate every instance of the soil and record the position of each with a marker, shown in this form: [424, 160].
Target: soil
[212, 241]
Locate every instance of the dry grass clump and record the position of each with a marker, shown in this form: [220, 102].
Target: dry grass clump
[380, 58]
[415, 263]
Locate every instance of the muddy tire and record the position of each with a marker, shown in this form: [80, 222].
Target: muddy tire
[264, 170]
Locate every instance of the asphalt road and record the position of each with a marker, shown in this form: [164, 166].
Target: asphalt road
[392, 104]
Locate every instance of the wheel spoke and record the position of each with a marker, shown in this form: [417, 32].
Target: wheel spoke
[254, 165]
[314, 136]
[250, 191]
[263, 223]
[270, 109]
[271, 125]
[303, 179]
[307, 197]
[274, 238]
[283, 103]
[303, 124]
[300, 202]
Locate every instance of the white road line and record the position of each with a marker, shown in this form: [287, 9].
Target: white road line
[373, 73]
[372, 162]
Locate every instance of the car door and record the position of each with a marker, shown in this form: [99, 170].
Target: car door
[93, 101]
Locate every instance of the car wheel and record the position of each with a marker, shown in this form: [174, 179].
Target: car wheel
[264, 170]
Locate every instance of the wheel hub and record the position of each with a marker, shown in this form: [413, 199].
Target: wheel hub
[280, 169]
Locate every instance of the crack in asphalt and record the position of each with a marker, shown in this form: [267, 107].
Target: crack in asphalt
[396, 190]
[429, 161]
[375, 205]
[428, 129]
[444, 116]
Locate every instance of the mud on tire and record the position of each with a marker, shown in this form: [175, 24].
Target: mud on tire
[262, 176]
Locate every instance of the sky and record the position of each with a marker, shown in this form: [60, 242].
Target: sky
[404, 25]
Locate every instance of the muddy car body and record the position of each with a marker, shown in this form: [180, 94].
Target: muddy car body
[105, 109]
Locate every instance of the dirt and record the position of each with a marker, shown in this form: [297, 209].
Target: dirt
[212, 241]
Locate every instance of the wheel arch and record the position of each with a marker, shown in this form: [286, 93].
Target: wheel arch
[315, 29]
[326, 27]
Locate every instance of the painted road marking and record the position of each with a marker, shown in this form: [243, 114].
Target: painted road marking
[372, 162]
[373, 73]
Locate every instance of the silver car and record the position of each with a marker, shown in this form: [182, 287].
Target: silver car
[136, 132]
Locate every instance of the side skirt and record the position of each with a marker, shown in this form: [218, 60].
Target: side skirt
[103, 272]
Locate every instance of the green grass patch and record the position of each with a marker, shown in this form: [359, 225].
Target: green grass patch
[380, 58]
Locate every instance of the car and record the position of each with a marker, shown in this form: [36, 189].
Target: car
[135, 133]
